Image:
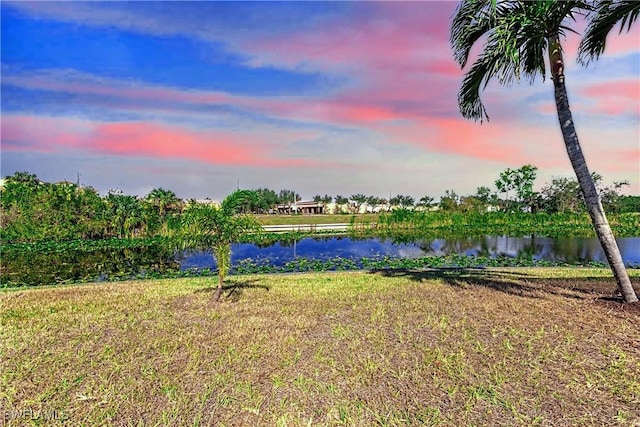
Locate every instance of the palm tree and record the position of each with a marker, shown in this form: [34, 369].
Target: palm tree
[125, 214]
[519, 36]
[608, 14]
[208, 226]
[163, 199]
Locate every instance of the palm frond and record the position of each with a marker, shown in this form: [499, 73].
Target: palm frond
[234, 201]
[470, 22]
[477, 78]
[516, 34]
[514, 47]
[608, 14]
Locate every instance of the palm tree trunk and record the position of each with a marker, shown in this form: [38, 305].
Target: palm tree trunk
[218, 292]
[587, 186]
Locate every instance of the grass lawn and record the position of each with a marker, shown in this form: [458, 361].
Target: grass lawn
[453, 348]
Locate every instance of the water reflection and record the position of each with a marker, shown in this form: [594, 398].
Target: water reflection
[45, 267]
[567, 249]
[34, 268]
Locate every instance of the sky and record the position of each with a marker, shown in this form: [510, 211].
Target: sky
[317, 97]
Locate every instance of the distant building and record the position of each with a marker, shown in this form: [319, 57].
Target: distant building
[304, 208]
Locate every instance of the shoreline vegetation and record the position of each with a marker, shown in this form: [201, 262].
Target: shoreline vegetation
[33, 210]
[517, 346]
[46, 262]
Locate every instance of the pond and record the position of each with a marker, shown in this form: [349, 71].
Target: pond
[571, 250]
[47, 267]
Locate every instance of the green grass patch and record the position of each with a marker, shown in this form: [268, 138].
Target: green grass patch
[316, 219]
[518, 346]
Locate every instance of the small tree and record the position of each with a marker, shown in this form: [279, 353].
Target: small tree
[609, 194]
[207, 226]
[126, 215]
[341, 200]
[425, 201]
[562, 195]
[521, 182]
[402, 201]
[24, 177]
[471, 204]
[505, 184]
[486, 197]
[265, 200]
[288, 197]
[450, 201]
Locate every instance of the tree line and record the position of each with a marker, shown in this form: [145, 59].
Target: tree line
[34, 210]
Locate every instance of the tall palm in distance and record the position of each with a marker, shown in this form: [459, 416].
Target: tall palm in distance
[520, 39]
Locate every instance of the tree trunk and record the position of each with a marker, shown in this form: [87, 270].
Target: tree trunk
[218, 292]
[587, 186]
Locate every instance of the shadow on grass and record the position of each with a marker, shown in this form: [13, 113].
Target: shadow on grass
[516, 283]
[232, 291]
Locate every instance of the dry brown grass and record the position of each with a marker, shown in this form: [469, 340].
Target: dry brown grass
[493, 347]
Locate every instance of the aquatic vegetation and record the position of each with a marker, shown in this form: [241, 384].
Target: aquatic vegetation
[48, 262]
[450, 224]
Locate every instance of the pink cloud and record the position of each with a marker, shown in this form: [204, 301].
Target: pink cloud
[331, 112]
[388, 99]
[458, 137]
[626, 42]
[146, 139]
[138, 139]
[624, 160]
[547, 108]
[41, 134]
[403, 37]
[613, 97]
[352, 114]
[617, 43]
[396, 58]
[505, 143]
[397, 53]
